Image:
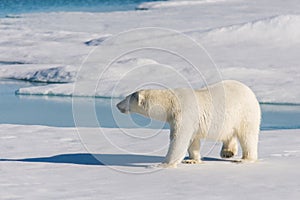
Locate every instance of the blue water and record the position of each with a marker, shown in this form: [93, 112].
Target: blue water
[13, 7]
[57, 111]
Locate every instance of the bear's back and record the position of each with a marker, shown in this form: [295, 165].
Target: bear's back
[230, 105]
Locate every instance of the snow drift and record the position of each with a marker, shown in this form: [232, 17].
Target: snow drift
[283, 29]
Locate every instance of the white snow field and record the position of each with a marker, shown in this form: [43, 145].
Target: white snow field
[40, 162]
[256, 42]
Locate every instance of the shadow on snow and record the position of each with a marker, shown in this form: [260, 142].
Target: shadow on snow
[95, 159]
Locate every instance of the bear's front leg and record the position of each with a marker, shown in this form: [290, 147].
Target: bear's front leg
[179, 143]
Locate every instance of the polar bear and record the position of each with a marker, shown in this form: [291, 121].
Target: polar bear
[227, 111]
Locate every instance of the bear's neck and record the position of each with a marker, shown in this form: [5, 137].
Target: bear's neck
[162, 109]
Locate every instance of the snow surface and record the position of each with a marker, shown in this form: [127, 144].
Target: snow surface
[256, 42]
[173, 3]
[40, 162]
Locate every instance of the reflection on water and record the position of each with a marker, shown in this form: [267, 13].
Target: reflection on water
[57, 111]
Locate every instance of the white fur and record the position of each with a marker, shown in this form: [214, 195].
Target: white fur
[227, 111]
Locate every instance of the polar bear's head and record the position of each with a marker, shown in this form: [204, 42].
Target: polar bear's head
[133, 103]
[150, 103]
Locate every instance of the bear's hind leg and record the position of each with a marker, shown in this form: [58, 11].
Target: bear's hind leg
[249, 144]
[194, 152]
[230, 148]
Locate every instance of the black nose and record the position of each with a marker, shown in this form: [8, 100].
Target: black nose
[118, 105]
[122, 110]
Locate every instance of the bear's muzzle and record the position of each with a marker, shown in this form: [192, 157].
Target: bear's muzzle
[123, 106]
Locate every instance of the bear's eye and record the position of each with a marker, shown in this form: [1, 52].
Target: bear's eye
[135, 96]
